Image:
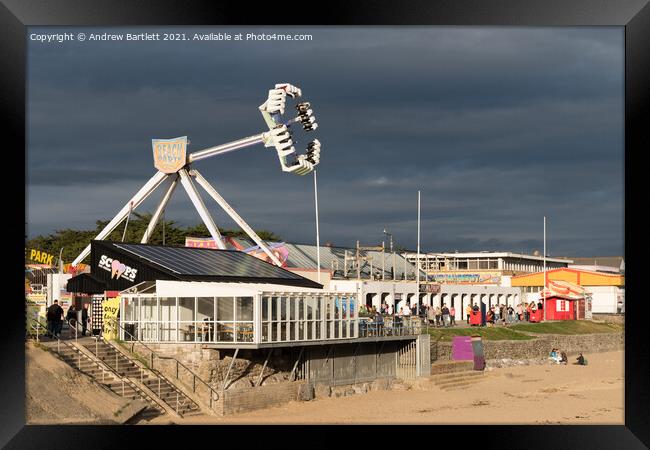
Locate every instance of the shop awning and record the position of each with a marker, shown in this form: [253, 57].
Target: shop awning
[563, 289]
[85, 284]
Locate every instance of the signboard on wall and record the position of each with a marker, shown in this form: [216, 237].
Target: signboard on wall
[465, 278]
[110, 309]
[430, 288]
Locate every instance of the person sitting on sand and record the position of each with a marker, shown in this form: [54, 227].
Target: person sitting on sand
[563, 359]
[582, 361]
[554, 356]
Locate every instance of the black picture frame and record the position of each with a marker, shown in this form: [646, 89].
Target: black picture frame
[16, 15]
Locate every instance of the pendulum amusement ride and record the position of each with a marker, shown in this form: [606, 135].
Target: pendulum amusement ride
[173, 164]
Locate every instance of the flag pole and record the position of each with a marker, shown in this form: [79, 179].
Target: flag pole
[417, 298]
[545, 289]
[317, 231]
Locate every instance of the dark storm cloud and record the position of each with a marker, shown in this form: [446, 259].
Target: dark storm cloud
[497, 127]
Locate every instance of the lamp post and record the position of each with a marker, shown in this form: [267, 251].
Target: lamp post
[544, 290]
[392, 268]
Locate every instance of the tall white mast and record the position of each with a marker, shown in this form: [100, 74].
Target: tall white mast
[545, 281]
[417, 298]
[317, 231]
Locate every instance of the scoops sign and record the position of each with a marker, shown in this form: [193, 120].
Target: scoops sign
[117, 269]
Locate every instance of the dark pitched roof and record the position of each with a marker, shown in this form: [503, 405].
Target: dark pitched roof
[203, 264]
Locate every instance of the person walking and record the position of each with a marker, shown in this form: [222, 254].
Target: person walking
[445, 315]
[49, 315]
[452, 316]
[84, 319]
[55, 315]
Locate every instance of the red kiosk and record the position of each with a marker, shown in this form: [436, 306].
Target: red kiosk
[564, 301]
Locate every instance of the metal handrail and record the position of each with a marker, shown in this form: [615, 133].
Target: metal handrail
[104, 367]
[70, 326]
[214, 394]
[58, 349]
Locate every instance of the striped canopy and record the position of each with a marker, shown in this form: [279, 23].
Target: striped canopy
[563, 289]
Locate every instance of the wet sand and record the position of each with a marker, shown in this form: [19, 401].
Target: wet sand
[538, 394]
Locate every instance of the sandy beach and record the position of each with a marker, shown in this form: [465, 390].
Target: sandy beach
[537, 394]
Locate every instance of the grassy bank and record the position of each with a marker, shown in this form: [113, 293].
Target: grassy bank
[486, 333]
[520, 332]
[568, 327]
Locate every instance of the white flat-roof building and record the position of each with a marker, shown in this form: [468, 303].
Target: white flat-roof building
[481, 267]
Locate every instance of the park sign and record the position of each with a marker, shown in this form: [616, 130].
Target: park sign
[169, 155]
[39, 256]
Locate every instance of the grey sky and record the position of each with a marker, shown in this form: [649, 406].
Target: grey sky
[496, 126]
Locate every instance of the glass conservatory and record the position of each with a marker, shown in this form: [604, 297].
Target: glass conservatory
[238, 315]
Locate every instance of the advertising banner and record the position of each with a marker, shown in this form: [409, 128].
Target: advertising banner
[465, 278]
[200, 242]
[279, 249]
[110, 309]
[79, 268]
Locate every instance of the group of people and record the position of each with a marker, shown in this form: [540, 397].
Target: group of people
[559, 357]
[441, 317]
[55, 316]
[505, 314]
[446, 317]
[388, 310]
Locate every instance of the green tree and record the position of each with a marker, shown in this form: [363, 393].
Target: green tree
[74, 241]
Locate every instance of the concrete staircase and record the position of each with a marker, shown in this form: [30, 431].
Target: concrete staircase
[455, 375]
[153, 381]
[79, 360]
